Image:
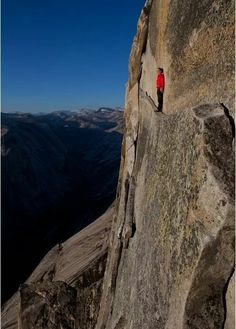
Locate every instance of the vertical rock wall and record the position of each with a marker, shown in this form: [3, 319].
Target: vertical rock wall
[171, 252]
[194, 42]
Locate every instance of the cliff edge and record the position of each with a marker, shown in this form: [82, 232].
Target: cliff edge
[171, 255]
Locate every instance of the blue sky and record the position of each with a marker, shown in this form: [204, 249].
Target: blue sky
[66, 54]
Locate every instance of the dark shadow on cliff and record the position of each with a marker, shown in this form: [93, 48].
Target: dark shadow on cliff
[231, 120]
[224, 296]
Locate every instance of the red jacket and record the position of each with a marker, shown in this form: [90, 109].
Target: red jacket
[160, 82]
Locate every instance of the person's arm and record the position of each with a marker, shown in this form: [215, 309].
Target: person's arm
[157, 81]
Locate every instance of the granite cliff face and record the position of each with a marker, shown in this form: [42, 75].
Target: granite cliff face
[171, 253]
[170, 262]
[194, 42]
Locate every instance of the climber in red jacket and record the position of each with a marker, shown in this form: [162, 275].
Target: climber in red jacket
[160, 84]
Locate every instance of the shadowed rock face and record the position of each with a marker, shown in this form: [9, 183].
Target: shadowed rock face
[44, 305]
[59, 173]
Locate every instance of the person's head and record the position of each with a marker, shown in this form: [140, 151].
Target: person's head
[160, 70]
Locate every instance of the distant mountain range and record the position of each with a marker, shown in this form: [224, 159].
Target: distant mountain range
[82, 110]
[59, 172]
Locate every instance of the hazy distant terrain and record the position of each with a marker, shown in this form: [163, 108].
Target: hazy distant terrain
[59, 171]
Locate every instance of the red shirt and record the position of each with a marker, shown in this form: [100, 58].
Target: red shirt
[160, 82]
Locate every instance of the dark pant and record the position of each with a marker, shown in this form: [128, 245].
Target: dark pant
[160, 100]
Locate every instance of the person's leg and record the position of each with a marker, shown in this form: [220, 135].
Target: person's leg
[160, 100]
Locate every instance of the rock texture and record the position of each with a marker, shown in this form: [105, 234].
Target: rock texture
[171, 269]
[171, 251]
[66, 286]
[230, 304]
[194, 42]
[47, 305]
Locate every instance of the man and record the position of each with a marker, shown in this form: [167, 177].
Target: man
[160, 84]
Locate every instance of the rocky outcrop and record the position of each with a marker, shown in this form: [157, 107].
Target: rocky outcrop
[171, 252]
[65, 289]
[47, 305]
